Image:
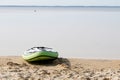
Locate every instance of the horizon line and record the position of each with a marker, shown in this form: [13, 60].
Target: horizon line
[57, 6]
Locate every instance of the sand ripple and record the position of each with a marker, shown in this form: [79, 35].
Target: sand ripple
[60, 69]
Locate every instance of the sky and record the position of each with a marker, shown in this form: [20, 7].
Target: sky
[62, 2]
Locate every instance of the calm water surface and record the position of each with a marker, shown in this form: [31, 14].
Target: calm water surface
[72, 31]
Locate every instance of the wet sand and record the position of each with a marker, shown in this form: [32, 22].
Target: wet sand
[15, 68]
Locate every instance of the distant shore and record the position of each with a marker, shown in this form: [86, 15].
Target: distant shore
[14, 67]
[59, 6]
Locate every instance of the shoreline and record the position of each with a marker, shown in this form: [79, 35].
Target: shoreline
[93, 62]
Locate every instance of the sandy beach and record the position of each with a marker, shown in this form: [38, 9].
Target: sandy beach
[15, 68]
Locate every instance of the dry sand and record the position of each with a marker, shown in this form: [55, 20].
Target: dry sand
[15, 68]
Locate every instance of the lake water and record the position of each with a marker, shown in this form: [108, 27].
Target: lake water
[83, 32]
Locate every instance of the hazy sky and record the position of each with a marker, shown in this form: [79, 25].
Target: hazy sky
[62, 2]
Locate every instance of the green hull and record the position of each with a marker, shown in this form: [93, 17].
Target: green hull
[43, 55]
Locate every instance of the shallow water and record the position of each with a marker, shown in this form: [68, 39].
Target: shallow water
[72, 31]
